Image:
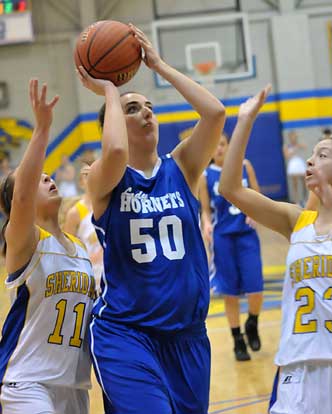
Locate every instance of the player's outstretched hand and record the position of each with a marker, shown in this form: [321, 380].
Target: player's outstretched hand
[95, 85]
[250, 108]
[43, 110]
[151, 57]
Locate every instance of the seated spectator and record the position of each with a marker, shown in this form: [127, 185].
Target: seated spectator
[66, 178]
[5, 166]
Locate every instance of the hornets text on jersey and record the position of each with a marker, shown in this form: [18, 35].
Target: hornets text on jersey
[156, 273]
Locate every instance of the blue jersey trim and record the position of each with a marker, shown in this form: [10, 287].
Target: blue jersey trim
[273, 398]
[13, 327]
[94, 359]
[15, 275]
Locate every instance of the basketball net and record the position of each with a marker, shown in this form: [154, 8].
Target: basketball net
[204, 72]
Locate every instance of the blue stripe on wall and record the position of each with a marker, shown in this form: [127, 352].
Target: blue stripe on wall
[186, 107]
[307, 123]
[63, 134]
[85, 147]
[23, 123]
[92, 116]
[304, 94]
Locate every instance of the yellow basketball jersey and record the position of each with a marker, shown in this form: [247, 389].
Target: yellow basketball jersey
[87, 233]
[45, 333]
[307, 296]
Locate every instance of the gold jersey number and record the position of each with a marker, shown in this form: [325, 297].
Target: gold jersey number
[56, 337]
[310, 326]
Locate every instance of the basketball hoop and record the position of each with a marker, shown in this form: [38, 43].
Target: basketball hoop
[204, 72]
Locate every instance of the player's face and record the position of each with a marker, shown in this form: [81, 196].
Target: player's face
[319, 165]
[47, 192]
[142, 125]
[84, 176]
[221, 150]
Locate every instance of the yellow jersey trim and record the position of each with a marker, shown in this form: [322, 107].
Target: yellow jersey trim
[305, 218]
[43, 234]
[75, 240]
[82, 209]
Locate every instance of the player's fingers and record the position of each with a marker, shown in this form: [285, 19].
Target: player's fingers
[136, 29]
[35, 91]
[140, 36]
[79, 75]
[54, 101]
[31, 82]
[265, 93]
[260, 97]
[268, 89]
[43, 93]
[83, 72]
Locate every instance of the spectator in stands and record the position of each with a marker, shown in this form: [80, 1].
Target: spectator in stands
[66, 178]
[5, 166]
[296, 168]
[326, 133]
[78, 222]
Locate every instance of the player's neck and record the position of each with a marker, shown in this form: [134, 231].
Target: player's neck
[50, 224]
[324, 219]
[219, 163]
[144, 163]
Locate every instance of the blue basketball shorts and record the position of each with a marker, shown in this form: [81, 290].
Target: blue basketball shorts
[236, 265]
[140, 373]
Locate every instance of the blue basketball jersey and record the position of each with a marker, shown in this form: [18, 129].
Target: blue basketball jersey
[226, 218]
[156, 272]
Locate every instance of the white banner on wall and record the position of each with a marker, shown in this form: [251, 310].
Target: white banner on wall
[16, 28]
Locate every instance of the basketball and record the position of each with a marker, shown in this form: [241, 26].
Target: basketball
[108, 50]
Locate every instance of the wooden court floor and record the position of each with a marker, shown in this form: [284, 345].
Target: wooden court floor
[236, 387]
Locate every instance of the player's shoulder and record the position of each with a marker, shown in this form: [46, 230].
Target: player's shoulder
[305, 218]
[76, 241]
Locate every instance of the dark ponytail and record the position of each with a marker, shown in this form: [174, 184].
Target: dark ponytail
[6, 195]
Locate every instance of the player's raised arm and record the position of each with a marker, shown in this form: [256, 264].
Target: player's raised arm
[21, 235]
[107, 171]
[193, 154]
[278, 216]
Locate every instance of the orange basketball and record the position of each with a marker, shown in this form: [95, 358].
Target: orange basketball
[108, 50]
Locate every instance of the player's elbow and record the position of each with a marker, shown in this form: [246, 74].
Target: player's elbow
[217, 112]
[227, 190]
[117, 154]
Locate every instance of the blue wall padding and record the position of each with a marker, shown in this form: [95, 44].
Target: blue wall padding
[264, 150]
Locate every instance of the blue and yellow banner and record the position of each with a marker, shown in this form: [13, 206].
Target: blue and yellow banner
[301, 109]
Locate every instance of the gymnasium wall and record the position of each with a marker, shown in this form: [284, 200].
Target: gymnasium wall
[49, 58]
